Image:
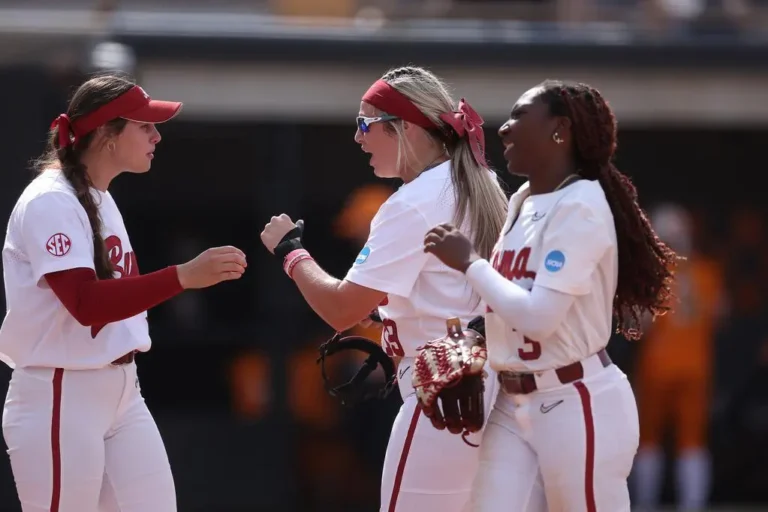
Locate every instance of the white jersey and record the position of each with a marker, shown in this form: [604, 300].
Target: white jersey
[422, 292]
[48, 232]
[566, 241]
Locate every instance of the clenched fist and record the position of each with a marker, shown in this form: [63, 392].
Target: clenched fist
[281, 231]
[450, 246]
[211, 267]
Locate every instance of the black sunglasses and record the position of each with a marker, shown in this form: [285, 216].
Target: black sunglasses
[364, 123]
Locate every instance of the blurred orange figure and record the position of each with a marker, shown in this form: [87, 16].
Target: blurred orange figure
[674, 372]
[354, 220]
[249, 377]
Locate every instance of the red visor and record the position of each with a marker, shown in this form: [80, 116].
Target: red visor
[133, 105]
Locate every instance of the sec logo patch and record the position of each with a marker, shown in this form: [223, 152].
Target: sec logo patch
[58, 245]
[363, 255]
[554, 261]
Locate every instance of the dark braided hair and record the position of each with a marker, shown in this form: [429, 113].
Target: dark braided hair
[646, 264]
[91, 95]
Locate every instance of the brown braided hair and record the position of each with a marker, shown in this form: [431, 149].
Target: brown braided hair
[646, 264]
[91, 95]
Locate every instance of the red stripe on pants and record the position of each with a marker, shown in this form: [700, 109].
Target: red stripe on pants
[589, 466]
[58, 376]
[403, 458]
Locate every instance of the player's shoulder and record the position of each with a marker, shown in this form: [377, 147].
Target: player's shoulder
[425, 191]
[588, 197]
[49, 183]
[430, 196]
[49, 190]
[398, 209]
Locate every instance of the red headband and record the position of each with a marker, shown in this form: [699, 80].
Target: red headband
[465, 121]
[133, 105]
[385, 97]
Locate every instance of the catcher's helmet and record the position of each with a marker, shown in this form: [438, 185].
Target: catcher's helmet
[354, 391]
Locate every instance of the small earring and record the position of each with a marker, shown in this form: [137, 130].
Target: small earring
[557, 139]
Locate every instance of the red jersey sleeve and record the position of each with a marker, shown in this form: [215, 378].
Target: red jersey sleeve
[93, 301]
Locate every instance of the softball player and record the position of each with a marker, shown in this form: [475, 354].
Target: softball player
[79, 435]
[675, 371]
[575, 251]
[414, 131]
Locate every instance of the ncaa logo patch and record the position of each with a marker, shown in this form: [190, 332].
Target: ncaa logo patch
[363, 256]
[554, 261]
[58, 245]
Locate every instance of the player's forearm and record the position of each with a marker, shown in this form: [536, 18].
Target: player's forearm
[94, 302]
[536, 314]
[324, 295]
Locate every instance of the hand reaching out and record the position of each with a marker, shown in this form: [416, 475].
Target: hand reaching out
[211, 267]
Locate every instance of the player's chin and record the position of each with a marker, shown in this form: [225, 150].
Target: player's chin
[383, 172]
[141, 167]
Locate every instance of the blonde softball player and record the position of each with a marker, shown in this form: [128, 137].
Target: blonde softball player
[79, 435]
[414, 131]
[576, 251]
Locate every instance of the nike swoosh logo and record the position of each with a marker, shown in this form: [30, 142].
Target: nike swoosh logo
[538, 216]
[546, 408]
[402, 372]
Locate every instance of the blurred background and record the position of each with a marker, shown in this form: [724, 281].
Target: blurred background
[272, 88]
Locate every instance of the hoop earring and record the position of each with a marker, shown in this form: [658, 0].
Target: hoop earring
[557, 139]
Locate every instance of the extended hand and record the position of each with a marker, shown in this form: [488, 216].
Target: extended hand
[450, 246]
[211, 267]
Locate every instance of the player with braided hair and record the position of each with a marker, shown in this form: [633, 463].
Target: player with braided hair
[80, 436]
[577, 251]
[413, 130]
[645, 263]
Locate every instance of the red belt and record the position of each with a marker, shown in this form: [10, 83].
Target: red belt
[126, 359]
[515, 383]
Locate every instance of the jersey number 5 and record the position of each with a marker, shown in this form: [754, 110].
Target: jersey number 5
[390, 340]
[531, 351]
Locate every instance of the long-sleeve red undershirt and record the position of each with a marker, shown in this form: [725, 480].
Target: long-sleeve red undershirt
[96, 302]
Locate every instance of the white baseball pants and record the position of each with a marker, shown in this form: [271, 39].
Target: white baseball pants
[426, 469]
[565, 449]
[84, 441]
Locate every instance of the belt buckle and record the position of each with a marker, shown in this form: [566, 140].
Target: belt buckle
[513, 379]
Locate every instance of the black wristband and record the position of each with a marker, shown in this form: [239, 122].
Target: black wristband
[284, 248]
[290, 241]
